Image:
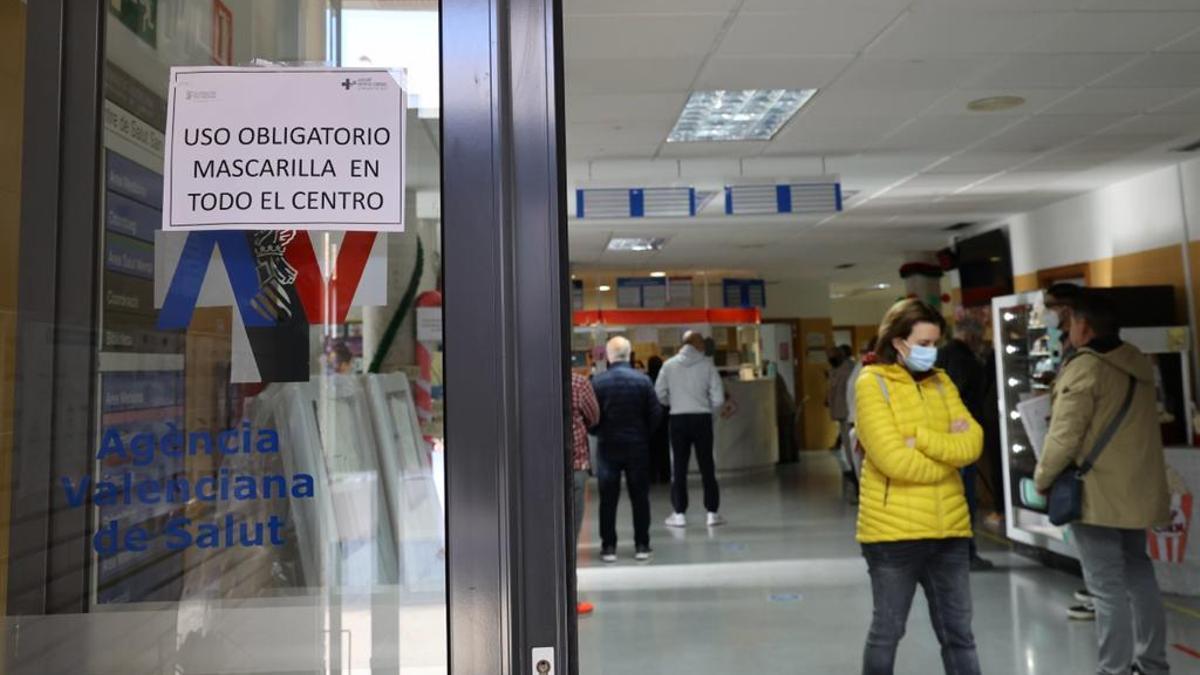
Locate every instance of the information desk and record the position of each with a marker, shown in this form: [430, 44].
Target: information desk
[745, 434]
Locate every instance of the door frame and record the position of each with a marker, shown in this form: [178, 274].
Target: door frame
[510, 558]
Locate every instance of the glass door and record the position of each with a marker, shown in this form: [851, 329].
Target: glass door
[298, 449]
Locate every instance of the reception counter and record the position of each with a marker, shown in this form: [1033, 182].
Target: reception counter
[745, 434]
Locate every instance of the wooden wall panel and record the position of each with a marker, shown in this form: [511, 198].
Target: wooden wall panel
[813, 380]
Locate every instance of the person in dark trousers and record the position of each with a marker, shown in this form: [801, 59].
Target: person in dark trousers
[585, 413]
[1105, 416]
[691, 386]
[960, 359]
[660, 440]
[629, 413]
[1060, 300]
[912, 517]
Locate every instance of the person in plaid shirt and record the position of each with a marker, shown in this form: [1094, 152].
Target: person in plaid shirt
[585, 413]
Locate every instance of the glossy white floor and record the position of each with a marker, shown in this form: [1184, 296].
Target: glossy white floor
[783, 589]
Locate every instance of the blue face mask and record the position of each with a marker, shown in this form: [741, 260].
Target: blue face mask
[921, 359]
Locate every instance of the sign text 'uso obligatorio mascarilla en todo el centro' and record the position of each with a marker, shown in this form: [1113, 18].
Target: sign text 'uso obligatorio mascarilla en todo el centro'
[285, 149]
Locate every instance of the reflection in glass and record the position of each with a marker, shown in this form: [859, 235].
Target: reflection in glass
[262, 498]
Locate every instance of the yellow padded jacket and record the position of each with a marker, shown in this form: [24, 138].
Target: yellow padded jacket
[912, 492]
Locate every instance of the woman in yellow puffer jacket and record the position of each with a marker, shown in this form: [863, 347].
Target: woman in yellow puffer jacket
[913, 522]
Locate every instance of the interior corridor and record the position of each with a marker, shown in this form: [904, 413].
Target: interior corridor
[782, 588]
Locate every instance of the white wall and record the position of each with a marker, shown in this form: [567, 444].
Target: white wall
[860, 311]
[796, 299]
[1138, 214]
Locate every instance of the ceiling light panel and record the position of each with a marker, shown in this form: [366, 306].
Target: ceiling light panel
[636, 244]
[737, 115]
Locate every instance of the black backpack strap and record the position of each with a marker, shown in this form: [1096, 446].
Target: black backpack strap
[1111, 430]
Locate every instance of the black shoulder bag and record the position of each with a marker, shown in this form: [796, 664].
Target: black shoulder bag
[1066, 494]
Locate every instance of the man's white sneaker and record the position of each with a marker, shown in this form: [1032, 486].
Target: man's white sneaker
[608, 556]
[677, 520]
[715, 520]
[642, 555]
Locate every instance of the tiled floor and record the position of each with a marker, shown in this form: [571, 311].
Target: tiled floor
[783, 589]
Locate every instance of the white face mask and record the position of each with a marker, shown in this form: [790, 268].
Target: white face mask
[921, 359]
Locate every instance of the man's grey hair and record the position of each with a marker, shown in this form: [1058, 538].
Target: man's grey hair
[619, 350]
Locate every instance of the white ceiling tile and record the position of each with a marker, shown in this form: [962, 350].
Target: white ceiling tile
[943, 181]
[630, 76]
[577, 7]
[781, 168]
[618, 172]
[994, 5]
[881, 165]
[1050, 70]
[1124, 143]
[1144, 5]
[647, 37]
[1165, 125]
[1129, 32]
[1020, 182]
[945, 33]
[1115, 101]
[943, 132]
[1188, 43]
[985, 162]
[1046, 132]
[615, 108]
[814, 31]
[584, 151]
[955, 102]
[771, 72]
[831, 134]
[622, 134]
[839, 101]
[794, 5]
[1185, 104]
[725, 149]
[1075, 158]
[908, 74]
[1159, 70]
[720, 171]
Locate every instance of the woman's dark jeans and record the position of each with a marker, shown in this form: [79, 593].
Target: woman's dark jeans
[943, 568]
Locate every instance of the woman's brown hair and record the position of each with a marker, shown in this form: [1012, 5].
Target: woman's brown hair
[899, 322]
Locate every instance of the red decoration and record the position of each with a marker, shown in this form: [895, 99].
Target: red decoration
[914, 269]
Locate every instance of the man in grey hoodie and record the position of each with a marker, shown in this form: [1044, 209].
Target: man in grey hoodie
[690, 386]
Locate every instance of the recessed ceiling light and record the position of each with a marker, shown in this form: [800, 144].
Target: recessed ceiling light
[737, 115]
[637, 244]
[995, 103]
[604, 288]
[883, 287]
[658, 275]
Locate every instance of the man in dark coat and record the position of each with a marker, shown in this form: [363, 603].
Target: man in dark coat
[629, 414]
[960, 359]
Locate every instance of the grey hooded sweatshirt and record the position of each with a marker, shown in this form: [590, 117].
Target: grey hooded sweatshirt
[689, 384]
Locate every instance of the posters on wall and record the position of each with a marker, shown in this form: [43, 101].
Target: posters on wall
[641, 293]
[680, 291]
[744, 293]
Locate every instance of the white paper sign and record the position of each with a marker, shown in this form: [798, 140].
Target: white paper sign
[1035, 417]
[429, 324]
[285, 149]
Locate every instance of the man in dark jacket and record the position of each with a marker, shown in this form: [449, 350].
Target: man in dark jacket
[959, 358]
[629, 414]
